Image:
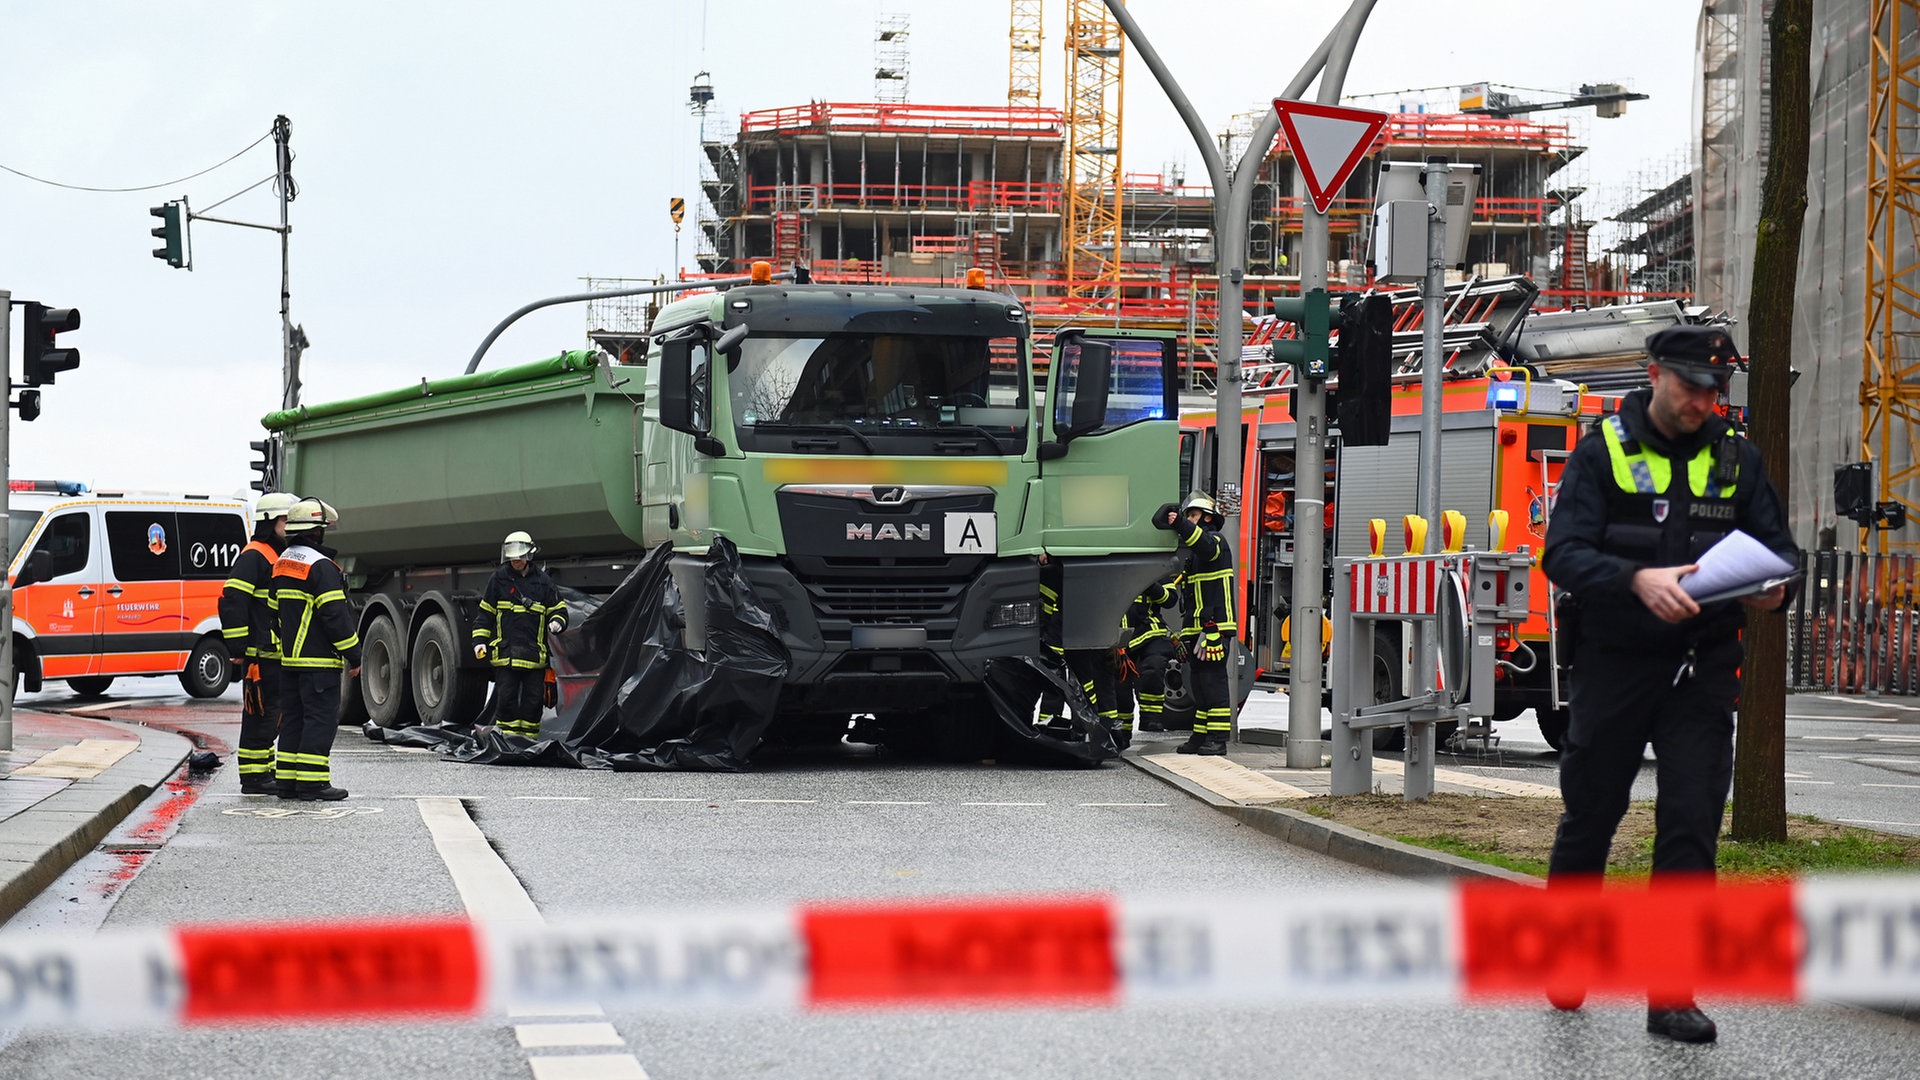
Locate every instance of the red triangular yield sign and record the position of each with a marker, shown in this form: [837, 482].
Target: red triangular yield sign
[1328, 141]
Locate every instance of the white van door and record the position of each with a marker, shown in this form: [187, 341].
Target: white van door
[64, 610]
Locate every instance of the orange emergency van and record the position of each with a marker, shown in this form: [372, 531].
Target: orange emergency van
[110, 583]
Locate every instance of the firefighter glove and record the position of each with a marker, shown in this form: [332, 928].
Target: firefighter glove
[1160, 516]
[554, 626]
[479, 650]
[1213, 648]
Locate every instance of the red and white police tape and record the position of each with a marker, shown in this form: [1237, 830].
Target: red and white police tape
[1832, 939]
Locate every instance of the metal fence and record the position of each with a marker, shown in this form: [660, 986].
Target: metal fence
[1853, 627]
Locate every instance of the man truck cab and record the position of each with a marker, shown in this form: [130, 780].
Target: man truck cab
[109, 583]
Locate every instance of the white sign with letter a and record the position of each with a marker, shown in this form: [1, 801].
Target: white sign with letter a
[972, 534]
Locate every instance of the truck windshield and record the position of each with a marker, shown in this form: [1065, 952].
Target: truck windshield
[875, 385]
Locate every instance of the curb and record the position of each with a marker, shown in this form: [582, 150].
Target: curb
[38, 844]
[1342, 842]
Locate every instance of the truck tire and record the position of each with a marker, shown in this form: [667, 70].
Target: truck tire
[208, 670]
[353, 707]
[444, 692]
[1386, 687]
[383, 676]
[91, 685]
[1553, 726]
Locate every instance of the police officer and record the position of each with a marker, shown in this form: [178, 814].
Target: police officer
[1211, 623]
[1150, 650]
[317, 640]
[521, 608]
[247, 625]
[1641, 497]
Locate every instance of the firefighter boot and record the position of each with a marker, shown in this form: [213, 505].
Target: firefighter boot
[1193, 744]
[1687, 1024]
[1214, 745]
[259, 785]
[314, 791]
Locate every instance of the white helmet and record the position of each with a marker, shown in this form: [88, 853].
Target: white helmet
[517, 545]
[274, 504]
[1203, 503]
[308, 514]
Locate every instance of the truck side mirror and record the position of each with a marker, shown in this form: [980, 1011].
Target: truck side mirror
[683, 386]
[1091, 384]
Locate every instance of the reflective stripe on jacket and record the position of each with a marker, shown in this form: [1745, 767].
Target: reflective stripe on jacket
[247, 616]
[316, 625]
[514, 614]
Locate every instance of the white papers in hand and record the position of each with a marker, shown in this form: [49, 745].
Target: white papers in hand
[1734, 563]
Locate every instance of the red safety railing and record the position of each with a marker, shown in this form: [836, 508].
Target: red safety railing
[979, 196]
[904, 118]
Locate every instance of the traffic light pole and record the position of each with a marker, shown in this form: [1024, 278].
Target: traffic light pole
[1420, 735]
[1232, 204]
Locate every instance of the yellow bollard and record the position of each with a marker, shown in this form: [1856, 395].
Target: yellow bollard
[1497, 530]
[1415, 528]
[1377, 536]
[1453, 530]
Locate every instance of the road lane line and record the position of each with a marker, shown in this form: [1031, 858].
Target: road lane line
[1813, 781]
[797, 802]
[884, 802]
[660, 798]
[588, 1067]
[1830, 738]
[549, 1036]
[1913, 786]
[1859, 719]
[1120, 804]
[1003, 804]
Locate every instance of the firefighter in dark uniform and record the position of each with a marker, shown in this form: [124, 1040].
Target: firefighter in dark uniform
[1143, 679]
[1094, 669]
[521, 609]
[1211, 625]
[317, 640]
[1641, 497]
[253, 642]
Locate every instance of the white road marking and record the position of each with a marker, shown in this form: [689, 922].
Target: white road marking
[884, 802]
[1120, 804]
[1861, 719]
[1830, 738]
[548, 1036]
[1897, 738]
[555, 798]
[1912, 786]
[1860, 701]
[1884, 761]
[1813, 781]
[800, 802]
[1003, 804]
[660, 798]
[587, 1067]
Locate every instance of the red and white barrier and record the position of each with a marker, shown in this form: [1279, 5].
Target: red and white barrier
[1840, 939]
[1398, 586]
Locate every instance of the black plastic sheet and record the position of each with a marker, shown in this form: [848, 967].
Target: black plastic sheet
[652, 704]
[1015, 684]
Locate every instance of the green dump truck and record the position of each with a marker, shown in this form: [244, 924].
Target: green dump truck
[877, 456]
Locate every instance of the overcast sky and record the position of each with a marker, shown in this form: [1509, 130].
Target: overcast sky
[456, 160]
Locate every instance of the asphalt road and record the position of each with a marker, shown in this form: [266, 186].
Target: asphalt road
[824, 825]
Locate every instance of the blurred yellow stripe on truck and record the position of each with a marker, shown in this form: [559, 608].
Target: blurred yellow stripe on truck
[883, 471]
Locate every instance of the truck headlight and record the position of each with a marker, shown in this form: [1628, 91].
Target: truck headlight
[1018, 613]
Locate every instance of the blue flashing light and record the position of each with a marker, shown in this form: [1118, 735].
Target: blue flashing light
[1505, 395]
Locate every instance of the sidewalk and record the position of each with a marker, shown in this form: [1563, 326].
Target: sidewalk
[1253, 784]
[66, 783]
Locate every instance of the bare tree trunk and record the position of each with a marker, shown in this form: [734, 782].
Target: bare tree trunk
[1759, 762]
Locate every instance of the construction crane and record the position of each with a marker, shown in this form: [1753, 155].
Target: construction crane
[1890, 381]
[1095, 64]
[1609, 100]
[1023, 53]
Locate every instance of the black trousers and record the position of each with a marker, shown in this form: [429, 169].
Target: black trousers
[259, 719]
[309, 717]
[1144, 684]
[519, 696]
[1621, 703]
[1212, 711]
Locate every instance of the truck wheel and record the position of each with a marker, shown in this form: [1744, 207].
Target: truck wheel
[1386, 687]
[91, 686]
[208, 669]
[443, 691]
[353, 707]
[383, 676]
[1553, 726]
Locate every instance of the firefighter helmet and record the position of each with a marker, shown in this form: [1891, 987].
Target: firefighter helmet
[274, 504]
[517, 545]
[1203, 503]
[309, 514]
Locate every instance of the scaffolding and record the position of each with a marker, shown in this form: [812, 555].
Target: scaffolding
[1023, 51]
[1095, 65]
[1650, 239]
[1890, 383]
[891, 33]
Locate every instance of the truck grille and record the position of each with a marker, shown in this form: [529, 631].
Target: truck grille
[878, 602]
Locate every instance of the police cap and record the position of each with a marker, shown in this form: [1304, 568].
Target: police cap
[1702, 355]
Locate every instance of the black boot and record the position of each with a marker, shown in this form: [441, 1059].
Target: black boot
[1688, 1024]
[259, 784]
[1214, 745]
[1193, 744]
[314, 791]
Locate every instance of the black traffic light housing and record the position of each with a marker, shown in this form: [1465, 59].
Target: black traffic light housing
[264, 465]
[1853, 499]
[43, 356]
[172, 234]
[1363, 357]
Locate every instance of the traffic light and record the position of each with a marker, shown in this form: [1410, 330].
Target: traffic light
[1853, 492]
[44, 358]
[263, 465]
[172, 234]
[1364, 359]
[29, 404]
[1308, 352]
